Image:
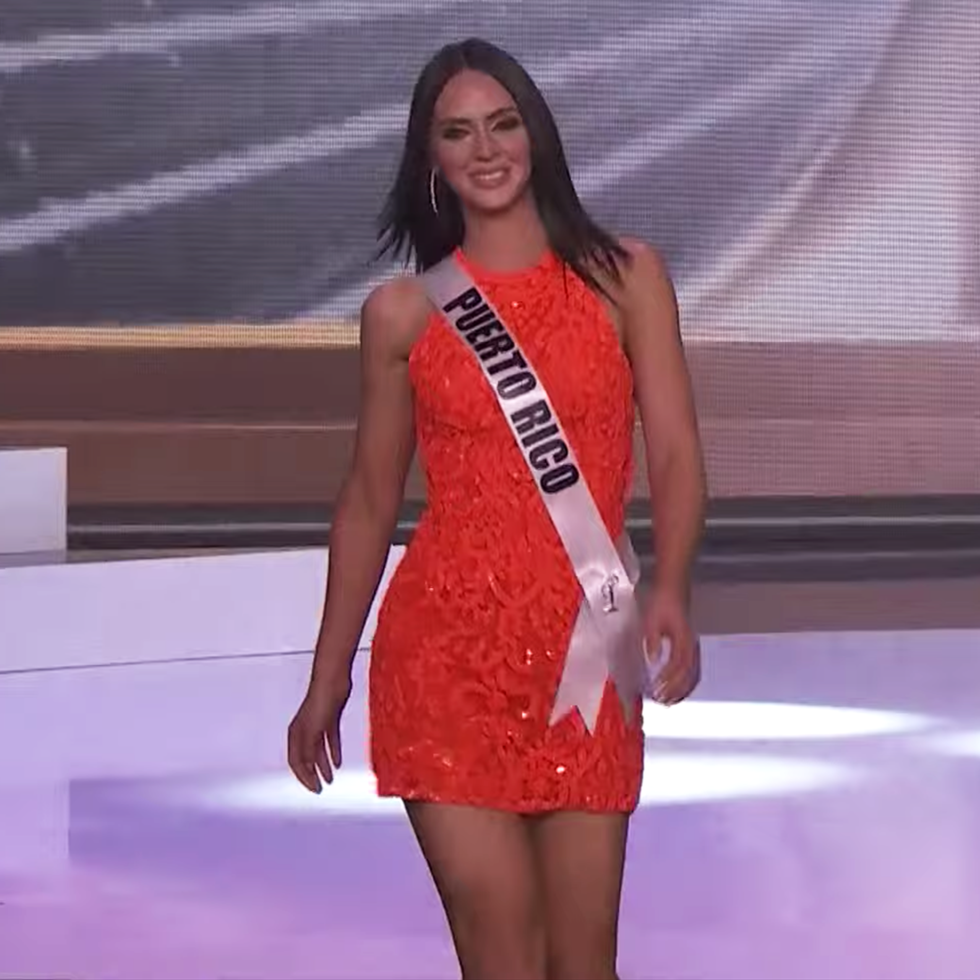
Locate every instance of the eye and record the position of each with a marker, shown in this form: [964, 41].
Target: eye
[508, 123]
[453, 133]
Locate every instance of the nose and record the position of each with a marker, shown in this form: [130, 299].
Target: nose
[485, 143]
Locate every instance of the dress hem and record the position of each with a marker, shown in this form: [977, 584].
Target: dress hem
[530, 808]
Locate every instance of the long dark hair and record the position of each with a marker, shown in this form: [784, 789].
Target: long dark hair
[410, 228]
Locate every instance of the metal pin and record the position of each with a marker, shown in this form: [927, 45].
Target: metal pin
[609, 594]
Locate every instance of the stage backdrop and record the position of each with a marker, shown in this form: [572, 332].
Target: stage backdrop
[188, 191]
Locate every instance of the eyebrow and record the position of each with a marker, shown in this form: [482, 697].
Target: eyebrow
[462, 120]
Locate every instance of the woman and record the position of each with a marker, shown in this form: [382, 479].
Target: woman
[522, 816]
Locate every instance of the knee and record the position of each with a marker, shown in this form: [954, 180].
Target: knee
[499, 945]
[580, 957]
[579, 969]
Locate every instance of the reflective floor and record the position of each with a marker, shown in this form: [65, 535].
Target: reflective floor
[814, 813]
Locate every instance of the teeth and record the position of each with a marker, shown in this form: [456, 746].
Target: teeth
[490, 177]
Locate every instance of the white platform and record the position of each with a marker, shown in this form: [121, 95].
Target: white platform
[33, 500]
[56, 614]
[189, 630]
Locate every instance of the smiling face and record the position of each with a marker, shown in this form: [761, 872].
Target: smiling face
[480, 146]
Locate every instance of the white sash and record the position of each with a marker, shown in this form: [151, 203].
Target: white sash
[607, 641]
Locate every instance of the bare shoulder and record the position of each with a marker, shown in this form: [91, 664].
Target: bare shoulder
[642, 276]
[645, 301]
[393, 316]
[644, 272]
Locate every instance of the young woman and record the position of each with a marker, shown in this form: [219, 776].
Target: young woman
[522, 816]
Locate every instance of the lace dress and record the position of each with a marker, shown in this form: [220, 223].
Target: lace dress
[473, 629]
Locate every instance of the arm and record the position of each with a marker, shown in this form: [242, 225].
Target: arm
[367, 506]
[670, 431]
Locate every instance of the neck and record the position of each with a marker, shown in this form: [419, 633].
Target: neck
[506, 242]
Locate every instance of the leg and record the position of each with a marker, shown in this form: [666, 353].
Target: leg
[483, 866]
[580, 860]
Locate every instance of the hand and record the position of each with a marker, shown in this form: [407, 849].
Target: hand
[316, 728]
[668, 633]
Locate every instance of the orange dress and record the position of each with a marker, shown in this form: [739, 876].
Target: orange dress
[476, 621]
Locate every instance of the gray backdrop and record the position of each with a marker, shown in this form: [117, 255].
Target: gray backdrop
[194, 160]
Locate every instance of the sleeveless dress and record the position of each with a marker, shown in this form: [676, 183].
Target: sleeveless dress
[474, 627]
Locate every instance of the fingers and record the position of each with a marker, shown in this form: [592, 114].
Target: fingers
[304, 769]
[681, 671]
[656, 647]
[333, 743]
[302, 758]
[310, 761]
[322, 762]
[313, 742]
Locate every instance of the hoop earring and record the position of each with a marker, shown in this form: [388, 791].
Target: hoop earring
[433, 200]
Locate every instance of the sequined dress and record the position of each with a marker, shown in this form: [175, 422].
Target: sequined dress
[475, 623]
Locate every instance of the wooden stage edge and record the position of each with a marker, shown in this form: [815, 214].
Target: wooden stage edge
[184, 336]
[243, 415]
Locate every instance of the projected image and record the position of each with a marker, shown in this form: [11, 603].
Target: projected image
[805, 168]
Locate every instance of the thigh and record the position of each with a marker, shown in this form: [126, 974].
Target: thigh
[580, 859]
[483, 866]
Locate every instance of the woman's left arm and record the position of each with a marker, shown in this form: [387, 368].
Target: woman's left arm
[675, 464]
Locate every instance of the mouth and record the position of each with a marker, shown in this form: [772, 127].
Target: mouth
[491, 179]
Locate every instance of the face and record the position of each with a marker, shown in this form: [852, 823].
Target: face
[479, 144]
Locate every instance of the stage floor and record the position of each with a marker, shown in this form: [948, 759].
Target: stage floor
[813, 813]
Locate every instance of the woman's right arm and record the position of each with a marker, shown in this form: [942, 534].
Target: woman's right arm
[368, 504]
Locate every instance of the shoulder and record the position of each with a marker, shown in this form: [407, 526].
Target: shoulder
[642, 276]
[393, 316]
[643, 271]
[645, 298]
[396, 304]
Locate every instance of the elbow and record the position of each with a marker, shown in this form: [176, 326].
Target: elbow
[695, 487]
[679, 474]
[361, 501]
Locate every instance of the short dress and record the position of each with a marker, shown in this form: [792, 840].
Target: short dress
[474, 626]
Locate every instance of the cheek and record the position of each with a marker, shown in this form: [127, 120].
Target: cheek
[517, 148]
[451, 158]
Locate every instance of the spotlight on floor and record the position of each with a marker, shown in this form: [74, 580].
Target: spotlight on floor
[761, 721]
[353, 792]
[670, 778]
[674, 779]
[959, 744]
